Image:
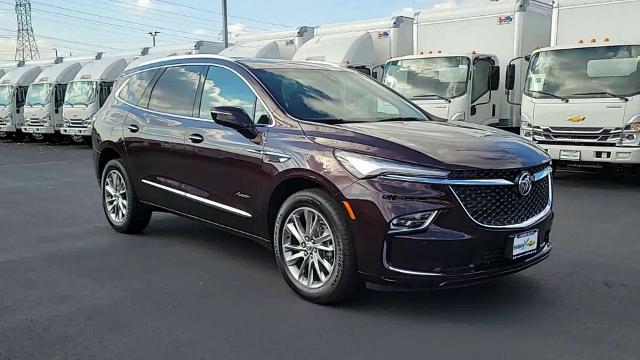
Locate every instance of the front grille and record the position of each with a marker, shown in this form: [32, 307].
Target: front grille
[35, 122]
[572, 135]
[503, 205]
[76, 123]
[506, 174]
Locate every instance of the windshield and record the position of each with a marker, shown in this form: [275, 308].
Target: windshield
[6, 92]
[441, 77]
[38, 94]
[592, 72]
[334, 96]
[80, 93]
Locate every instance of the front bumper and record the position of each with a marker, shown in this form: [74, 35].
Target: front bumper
[39, 129]
[599, 154]
[453, 251]
[8, 128]
[76, 131]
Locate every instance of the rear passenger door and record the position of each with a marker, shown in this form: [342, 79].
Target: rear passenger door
[228, 176]
[154, 135]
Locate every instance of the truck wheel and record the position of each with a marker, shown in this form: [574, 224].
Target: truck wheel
[314, 248]
[125, 213]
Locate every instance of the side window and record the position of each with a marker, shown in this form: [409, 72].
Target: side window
[135, 86]
[105, 91]
[223, 87]
[175, 91]
[481, 74]
[21, 95]
[60, 90]
[261, 116]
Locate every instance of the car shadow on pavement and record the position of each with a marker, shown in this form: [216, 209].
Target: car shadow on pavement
[503, 297]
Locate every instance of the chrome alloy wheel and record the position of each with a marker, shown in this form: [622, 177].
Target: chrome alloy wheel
[308, 247]
[115, 197]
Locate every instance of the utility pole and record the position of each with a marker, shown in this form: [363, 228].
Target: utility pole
[225, 28]
[153, 36]
[26, 47]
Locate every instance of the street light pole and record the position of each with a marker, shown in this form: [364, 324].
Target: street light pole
[153, 36]
[225, 28]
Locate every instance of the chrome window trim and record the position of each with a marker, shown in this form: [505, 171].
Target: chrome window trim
[532, 221]
[128, 76]
[208, 202]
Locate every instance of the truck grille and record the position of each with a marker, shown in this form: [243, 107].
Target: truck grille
[76, 122]
[586, 135]
[503, 205]
[35, 122]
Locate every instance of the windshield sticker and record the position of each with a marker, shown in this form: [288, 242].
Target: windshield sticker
[536, 82]
[505, 19]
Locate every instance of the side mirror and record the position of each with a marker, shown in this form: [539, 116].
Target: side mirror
[235, 118]
[510, 79]
[495, 78]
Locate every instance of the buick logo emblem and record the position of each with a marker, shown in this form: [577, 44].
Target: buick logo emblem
[524, 182]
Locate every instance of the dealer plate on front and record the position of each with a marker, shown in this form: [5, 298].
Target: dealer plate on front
[571, 155]
[524, 244]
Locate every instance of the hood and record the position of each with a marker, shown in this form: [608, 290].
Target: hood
[449, 145]
[78, 112]
[35, 112]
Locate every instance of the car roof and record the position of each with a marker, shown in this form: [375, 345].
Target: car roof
[253, 63]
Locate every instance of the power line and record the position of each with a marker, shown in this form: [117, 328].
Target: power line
[112, 18]
[64, 40]
[219, 13]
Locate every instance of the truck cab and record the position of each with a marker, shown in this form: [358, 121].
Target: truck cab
[13, 94]
[43, 104]
[456, 87]
[87, 93]
[582, 103]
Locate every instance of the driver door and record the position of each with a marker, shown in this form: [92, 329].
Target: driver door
[484, 107]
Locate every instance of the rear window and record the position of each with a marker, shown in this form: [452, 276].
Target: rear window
[135, 86]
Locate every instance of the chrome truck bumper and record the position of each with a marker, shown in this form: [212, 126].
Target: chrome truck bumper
[74, 131]
[8, 128]
[39, 129]
[598, 154]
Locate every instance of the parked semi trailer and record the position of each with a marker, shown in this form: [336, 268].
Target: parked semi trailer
[87, 93]
[364, 45]
[282, 44]
[454, 73]
[13, 93]
[45, 97]
[581, 98]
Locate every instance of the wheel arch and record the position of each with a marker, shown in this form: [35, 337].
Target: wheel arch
[107, 154]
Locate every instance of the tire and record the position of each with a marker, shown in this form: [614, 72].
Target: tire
[136, 216]
[342, 282]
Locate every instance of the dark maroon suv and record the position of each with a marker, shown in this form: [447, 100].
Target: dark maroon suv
[344, 179]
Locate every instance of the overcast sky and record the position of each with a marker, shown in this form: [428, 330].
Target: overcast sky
[85, 26]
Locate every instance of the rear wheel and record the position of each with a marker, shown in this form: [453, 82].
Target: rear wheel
[125, 213]
[314, 247]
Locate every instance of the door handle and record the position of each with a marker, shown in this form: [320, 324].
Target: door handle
[133, 128]
[196, 138]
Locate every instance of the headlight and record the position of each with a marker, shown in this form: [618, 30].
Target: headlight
[526, 127]
[631, 133]
[363, 167]
[633, 124]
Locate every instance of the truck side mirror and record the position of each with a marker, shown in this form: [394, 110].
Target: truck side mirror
[495, 78]
[510, 79]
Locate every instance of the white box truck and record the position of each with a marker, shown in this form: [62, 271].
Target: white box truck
[454, 73]
[13, 93]
[281, 44]
[364, 45]
[87, 93]
[581, 99]
[45, 97]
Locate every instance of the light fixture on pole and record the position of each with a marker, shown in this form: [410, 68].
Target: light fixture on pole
[153, 36]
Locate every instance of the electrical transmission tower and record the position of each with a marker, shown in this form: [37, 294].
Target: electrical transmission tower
[26, 47]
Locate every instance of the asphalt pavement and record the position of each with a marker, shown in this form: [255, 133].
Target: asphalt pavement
[72, 288]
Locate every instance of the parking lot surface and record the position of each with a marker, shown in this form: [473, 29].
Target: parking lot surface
[72, 288]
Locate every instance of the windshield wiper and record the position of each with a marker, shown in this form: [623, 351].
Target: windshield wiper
[623, 98]
[564, 99]
[431, 96]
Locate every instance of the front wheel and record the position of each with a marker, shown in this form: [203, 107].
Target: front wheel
[314, 247]
[125, 213]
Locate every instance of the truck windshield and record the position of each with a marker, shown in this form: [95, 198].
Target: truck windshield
[38, 95]
[80, 93]
[335, 96]
[438, 77]
[607, 71]
[6, 94]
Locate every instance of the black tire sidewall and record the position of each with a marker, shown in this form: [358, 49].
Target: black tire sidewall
[319, 203]
[118, 166]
